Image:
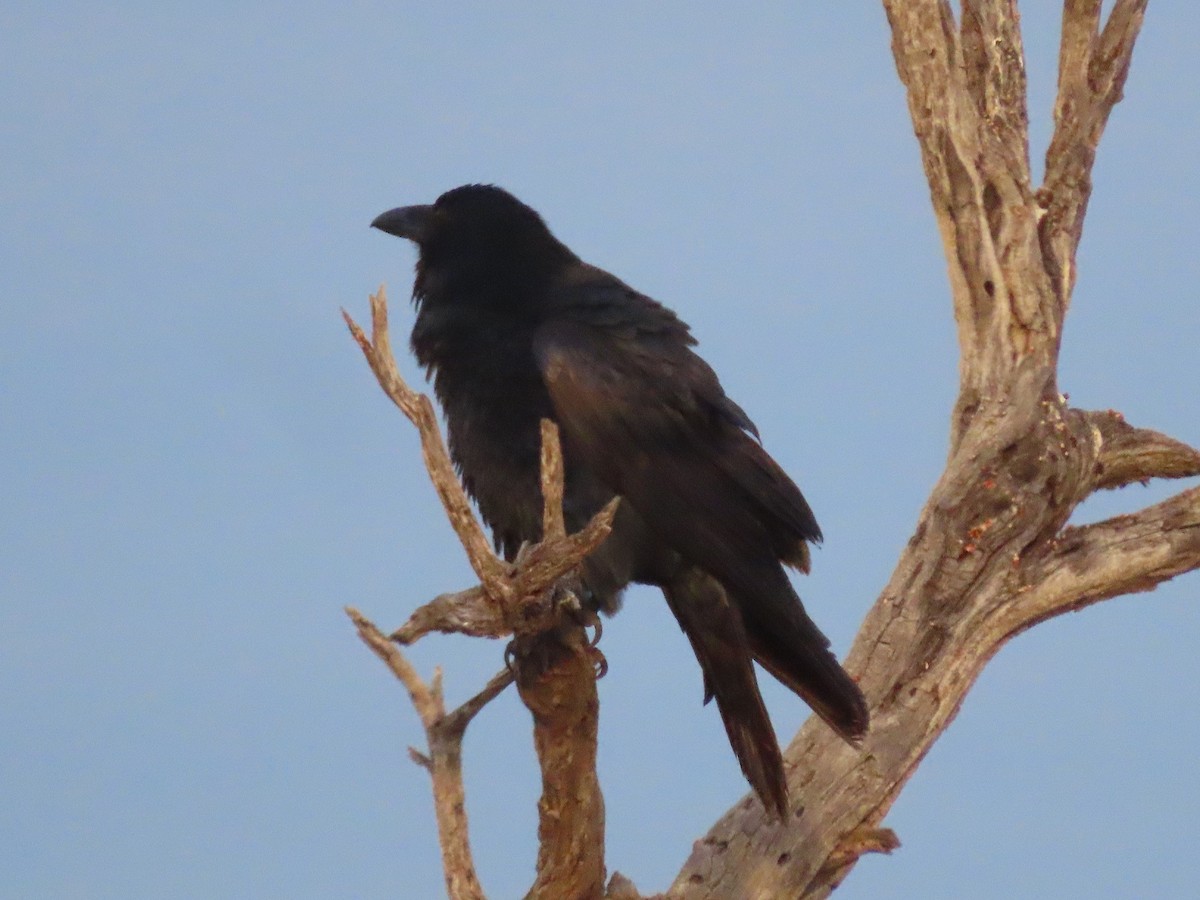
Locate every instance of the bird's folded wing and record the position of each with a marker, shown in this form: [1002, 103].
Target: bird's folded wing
[651, 419]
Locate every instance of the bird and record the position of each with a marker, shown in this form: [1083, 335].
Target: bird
[513, 327]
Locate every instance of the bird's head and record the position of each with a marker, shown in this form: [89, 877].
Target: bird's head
[476, 235]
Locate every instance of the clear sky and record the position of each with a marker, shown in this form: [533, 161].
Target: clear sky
[198, 471]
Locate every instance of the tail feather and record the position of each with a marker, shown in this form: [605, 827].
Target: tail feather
[718, 637]
[822, 683]
[728, 631]
[788, 644]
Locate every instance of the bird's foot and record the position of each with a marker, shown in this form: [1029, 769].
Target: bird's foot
[586, 618]
[535, 653]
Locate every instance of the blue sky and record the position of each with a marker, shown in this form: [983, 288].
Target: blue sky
[199, 471]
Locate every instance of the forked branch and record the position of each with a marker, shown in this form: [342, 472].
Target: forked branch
[507, 593]
[992, 553]
[553, 661]
[443, 758]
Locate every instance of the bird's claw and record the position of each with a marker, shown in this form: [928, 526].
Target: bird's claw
[535, 653]
[598, 660]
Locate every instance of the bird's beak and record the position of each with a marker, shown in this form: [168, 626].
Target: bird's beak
[410, 222]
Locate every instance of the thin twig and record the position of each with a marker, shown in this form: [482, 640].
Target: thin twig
[553, 479]
[424, 700]
[471, 612]
[489, 568]
[458, 719]
[443, 761]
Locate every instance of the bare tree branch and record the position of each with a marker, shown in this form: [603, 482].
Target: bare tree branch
[858, 843]
[1129, 454]
[1080, 26]
[489, 568]
[1091, 80]
[471, 612]
[976, 161]
[514, 589]
[992, 554]
[554, 663]
[553, 478]
[456, 721]
[1118, 556]
[444, 758]
[994, 66]
[561, 695]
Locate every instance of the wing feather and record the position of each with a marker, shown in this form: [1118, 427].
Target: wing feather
[651, 419]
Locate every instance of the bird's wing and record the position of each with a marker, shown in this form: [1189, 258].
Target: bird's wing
[650, 418]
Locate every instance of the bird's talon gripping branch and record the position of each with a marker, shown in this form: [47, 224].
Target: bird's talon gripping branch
[598, 632]
[599, 660]
[590, 621]
[510, 656]
[566, 600]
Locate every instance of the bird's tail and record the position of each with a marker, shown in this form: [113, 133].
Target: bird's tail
[788, 644]
[719, 639]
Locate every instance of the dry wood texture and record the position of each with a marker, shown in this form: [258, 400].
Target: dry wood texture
[991, 554]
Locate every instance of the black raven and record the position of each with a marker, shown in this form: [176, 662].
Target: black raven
[514, 327]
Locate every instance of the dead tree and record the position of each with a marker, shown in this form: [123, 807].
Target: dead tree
[992, 554]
